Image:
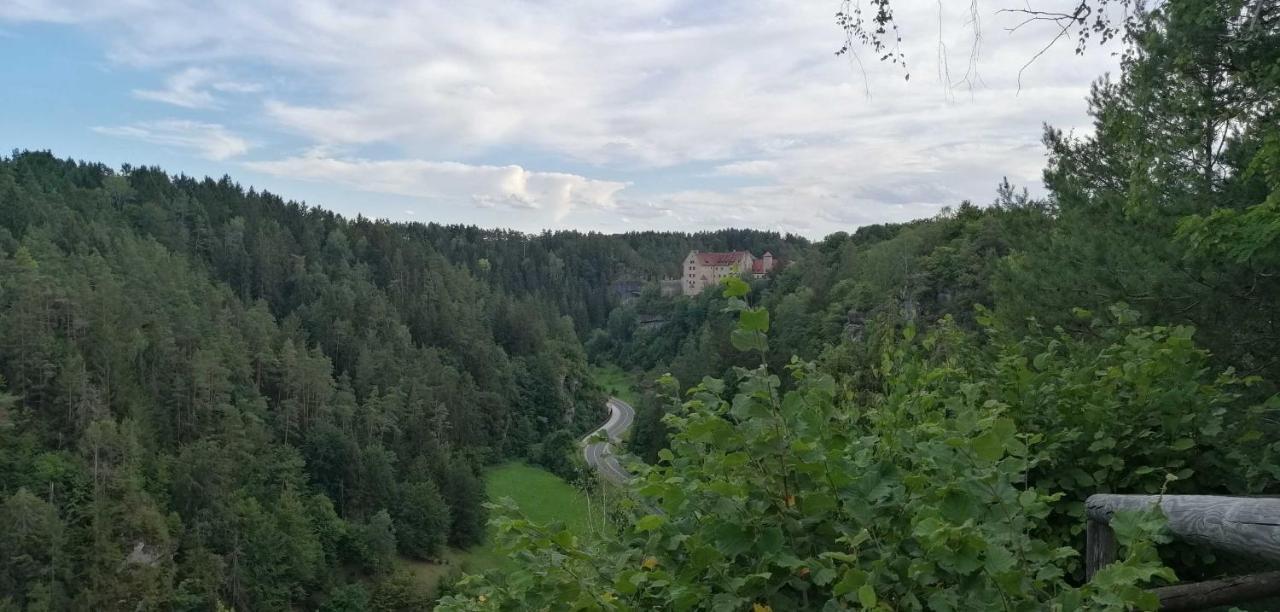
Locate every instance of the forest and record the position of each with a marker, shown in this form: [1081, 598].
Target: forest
[215, 398]
[910, 416]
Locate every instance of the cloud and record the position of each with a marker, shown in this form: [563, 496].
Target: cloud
[673, 96]
[752, 167]
[507, 187]
[210, 140]
[195, 88]
[330, 126]
[49, 11]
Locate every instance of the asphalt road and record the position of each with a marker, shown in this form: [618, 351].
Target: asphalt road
[599, 455]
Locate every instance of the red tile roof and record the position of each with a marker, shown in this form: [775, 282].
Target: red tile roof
[731, 258]
[721, 259]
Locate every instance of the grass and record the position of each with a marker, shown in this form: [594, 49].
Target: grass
[541, 495]
[615, 382]
[428, 575]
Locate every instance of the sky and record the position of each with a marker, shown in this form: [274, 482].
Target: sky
[555, 114]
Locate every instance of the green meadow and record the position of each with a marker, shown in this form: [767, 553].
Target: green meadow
[540, 495]
[615, 382]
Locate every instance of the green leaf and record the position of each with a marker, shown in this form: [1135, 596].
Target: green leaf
[1005, 428]
[736, 305]
[770, 541]
[1182, 444]
[867, 596]
[564, 538]
[1041, 360]
[735, 287]
[731, 539]
[627, 583]
[754, 319]
[650, 522]
[851, 580]
[1027, 498]
[988, 446]
[993, 443]
[744, 340]
[824, 576]
[735, 459]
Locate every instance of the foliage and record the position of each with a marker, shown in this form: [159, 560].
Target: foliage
[398, 593]
[347, 598]
[576, 272]
[803, 499]
[462, 485]
[213, 398]
[1165, 206]
[373, 543]
[1133, 409]
[649, 432]
[226, 399]
[422, 520]
[539, 495]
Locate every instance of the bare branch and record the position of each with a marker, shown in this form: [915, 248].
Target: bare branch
[1065, 27]
[1090, 23]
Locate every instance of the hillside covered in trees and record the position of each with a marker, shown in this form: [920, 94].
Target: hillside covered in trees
[212, 395]
[912, 415]
[216, 398]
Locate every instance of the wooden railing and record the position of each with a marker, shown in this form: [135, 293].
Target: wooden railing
[1245, 525]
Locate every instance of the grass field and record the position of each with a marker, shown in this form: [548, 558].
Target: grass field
[615, 382]
[541, 495]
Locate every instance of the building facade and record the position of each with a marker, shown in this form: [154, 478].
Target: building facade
[701, 270]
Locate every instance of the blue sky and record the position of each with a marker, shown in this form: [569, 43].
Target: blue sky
[615, 116]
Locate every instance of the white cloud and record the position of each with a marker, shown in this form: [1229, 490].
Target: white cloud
[750, 90]
[210, 140]
[509, 187]
[750, 167]
[329, 126]
[195, 88]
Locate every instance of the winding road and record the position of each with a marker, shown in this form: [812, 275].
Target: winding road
[599, 455]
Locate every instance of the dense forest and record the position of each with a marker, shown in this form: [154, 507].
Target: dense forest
[578, 272]
[216, 398]
[911, 416]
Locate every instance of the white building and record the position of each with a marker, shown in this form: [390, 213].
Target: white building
[702, 270]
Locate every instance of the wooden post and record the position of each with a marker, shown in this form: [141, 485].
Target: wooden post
[1247, 525]
[1212, 593]
[1100, 547]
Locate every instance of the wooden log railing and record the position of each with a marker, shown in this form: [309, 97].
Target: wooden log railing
[1245, 525]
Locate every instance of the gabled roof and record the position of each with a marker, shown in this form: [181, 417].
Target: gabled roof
[721, 259]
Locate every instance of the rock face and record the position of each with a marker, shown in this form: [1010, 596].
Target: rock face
[142, 554]
[855, 323]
